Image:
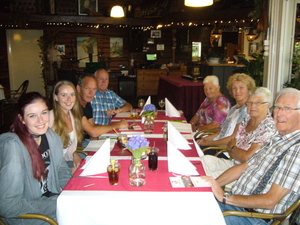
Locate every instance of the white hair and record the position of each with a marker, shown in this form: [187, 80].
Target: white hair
[263, 92]
[290, 91]
[211, 78]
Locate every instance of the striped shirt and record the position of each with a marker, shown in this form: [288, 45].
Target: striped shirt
[103, 102]
[286, 175]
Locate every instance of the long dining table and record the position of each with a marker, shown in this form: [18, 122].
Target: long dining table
[92, 200]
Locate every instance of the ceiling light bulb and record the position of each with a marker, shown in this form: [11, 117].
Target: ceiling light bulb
[117, 11]
[198, 3]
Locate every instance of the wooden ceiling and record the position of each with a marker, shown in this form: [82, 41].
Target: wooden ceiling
[142, 12]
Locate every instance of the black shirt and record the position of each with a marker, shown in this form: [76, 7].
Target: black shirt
[88, 113]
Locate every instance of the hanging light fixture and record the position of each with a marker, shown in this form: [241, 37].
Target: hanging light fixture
[251, 36]
[198, 3]
[117, 11]
[215, 35]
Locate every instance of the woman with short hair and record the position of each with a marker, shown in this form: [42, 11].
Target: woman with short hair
[214, 109]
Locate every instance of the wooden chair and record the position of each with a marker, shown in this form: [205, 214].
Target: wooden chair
[80, 150]
[278, 218]
[220, 148]
[34, 216]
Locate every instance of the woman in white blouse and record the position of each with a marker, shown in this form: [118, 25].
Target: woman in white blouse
[65, 120]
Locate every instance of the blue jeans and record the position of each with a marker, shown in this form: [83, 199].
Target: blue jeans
[237, 220]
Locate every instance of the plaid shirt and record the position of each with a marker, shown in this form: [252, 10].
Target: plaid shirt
[285, 175]
[103, 102]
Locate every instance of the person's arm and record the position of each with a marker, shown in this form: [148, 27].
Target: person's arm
[194, 122]
[76, 161]
[261, 201]
[96, 130]
[209, 126]
[220, 142]
[125, 108]
[240, 154]
[207, 138]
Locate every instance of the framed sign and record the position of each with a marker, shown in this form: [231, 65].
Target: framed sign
[87, 50]
[86, 6]
[155, 34]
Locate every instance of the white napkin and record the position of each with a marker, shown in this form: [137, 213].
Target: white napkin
[178, 163]
[171, 111]
[176, 138]
[199, 150]
[99, 162]
[147, 102]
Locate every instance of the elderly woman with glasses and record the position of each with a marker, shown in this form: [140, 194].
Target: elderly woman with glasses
[214, 109]
[248, 137]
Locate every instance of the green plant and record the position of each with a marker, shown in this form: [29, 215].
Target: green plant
[254, 68]
[295, 76]
[214, 53]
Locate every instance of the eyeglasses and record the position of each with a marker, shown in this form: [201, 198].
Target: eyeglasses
[255, 103]
[284, 109]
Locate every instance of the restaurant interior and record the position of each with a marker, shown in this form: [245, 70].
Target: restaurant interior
[47, 41]
[158, 48]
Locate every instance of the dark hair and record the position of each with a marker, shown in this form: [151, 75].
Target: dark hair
[38, 165]
[82, 76]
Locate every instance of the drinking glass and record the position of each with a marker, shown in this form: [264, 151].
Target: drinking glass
[161, 103]
[122, 140]
[134, 114]
[153, 158]
[141, 103]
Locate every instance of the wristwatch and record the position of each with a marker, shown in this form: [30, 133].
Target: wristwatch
[225, 196]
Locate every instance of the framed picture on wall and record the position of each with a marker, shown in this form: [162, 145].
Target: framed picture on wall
[87, 6]
[61, 49]
[116, 47]
[253, 48]
[87, 50]
[155, 34]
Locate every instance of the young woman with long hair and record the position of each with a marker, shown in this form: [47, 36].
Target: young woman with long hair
[65, 120]
[32, 169]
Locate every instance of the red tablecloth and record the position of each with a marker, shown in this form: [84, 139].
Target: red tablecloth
[155, 180]
[182, 93]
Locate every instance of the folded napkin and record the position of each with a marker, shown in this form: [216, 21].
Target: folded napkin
[99, 162]
[171, 111]
[178, 163]
[199, 151]
[176, 138]
[147, 102]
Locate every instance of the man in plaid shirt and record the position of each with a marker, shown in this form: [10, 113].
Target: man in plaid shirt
[106, 103]
[269, 182]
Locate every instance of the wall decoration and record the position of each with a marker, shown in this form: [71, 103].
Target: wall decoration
[150, 41]
[155, 34]
[87, 50]
[86, 6]
[116, 47]
[253, 48]
[160, 47]
[61, 49]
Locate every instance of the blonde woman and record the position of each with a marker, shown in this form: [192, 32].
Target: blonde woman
[65, 120]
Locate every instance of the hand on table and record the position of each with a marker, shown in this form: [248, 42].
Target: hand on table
[122, 124]
[203, 142]
[216, 188]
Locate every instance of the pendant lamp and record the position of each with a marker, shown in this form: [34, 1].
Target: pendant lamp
[117, 11]
[198, 3]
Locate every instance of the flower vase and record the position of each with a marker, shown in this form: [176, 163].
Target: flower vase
[148, 125]
[137, 173]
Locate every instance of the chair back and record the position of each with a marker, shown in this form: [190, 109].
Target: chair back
[45, 218]
[20, 91]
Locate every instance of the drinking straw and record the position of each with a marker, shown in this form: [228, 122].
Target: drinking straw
[116, 132]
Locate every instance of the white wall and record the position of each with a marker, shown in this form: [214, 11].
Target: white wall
[23, 59]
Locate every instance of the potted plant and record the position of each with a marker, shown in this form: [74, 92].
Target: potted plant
[214, 56]
[295, 79]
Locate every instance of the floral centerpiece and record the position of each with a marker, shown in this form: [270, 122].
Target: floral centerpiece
[137, 145]
[149, 110]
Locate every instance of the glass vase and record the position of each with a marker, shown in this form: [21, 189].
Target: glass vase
[137, 173]
[148, 125]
